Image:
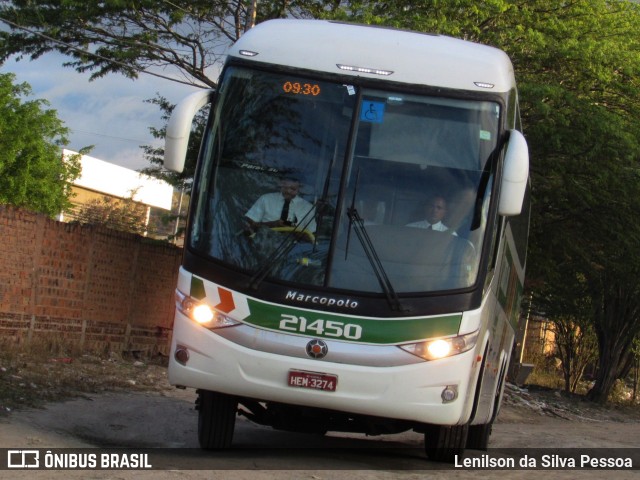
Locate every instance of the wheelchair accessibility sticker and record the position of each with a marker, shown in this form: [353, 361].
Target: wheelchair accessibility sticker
[372, 112]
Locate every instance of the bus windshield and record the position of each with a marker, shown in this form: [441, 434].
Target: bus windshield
[330, 184]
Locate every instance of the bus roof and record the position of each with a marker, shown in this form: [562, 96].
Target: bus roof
[414, 58]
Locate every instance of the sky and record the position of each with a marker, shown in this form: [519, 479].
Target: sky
[109, 113]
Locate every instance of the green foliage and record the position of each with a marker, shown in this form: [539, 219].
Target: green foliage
[578, 65]
[155, 155]
[126, 36]
[131, 36]
[181, 181]
[32, 172]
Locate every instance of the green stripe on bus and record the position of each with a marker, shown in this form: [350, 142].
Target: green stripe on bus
[355, 329]
[197, 288]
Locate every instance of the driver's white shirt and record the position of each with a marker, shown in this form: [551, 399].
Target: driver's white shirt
[440, 227]
[269, 206]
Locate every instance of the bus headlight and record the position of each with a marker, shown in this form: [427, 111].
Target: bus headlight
[202, 313]
[436, 348]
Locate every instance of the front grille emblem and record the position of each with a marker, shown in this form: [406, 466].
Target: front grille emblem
[317, 349]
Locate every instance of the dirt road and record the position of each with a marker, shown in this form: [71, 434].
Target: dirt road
[167, 419]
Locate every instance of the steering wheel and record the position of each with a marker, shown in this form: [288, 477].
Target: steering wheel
[307, 235]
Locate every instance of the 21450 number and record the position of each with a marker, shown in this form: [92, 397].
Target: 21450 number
[323, 328]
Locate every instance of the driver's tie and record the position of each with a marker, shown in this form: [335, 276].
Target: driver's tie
[284, 215]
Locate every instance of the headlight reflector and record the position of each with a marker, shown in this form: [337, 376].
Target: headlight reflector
[202, 313]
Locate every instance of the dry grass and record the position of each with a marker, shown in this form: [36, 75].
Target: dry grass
[33, 375]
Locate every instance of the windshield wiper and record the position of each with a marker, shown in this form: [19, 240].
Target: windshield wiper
[356, 222]
[376, 264]
[322, 205]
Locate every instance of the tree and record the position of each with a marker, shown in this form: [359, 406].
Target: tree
[135, 36]
[576, 347]
[581, 99]
[181, 181]
[581, 103]
[33, 174]
[155, 155]
[635, 368]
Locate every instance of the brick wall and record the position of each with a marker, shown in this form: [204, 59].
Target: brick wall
[89, 285]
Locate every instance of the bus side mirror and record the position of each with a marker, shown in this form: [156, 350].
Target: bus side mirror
[179, 128]
[515, 175]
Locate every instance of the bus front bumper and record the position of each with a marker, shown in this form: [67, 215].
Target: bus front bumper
[202, 359]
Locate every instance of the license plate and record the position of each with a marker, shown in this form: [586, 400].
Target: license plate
[313, 380]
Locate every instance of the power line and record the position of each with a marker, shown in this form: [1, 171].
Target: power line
[107, 136]
[86, 52]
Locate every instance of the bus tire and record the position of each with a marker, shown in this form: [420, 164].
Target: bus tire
[216, 419]
[442, 443]
[478, 438]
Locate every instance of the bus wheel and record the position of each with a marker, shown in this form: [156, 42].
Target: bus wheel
[216, 419]
[443, 443]
[478, 438]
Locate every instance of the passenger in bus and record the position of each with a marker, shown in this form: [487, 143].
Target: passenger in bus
[282, 209]
[435, 213]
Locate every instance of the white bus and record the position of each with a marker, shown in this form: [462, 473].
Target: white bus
[384, 299]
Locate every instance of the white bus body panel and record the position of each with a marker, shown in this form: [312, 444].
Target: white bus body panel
[413, 58]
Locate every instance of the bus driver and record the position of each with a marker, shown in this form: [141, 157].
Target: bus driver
[435, 212]
[282, 209]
